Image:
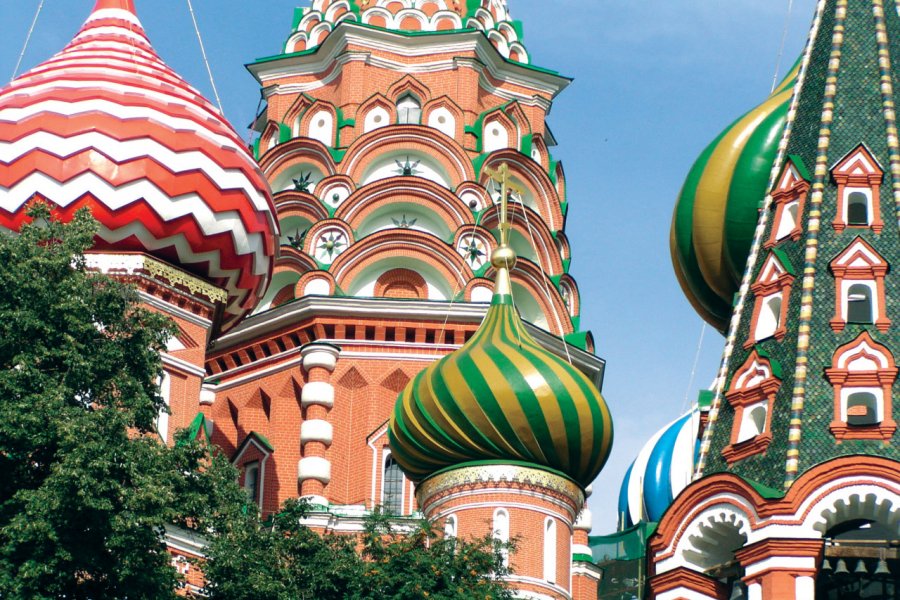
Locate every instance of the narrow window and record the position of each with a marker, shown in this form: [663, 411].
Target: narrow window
[862, 409]
[859, 304]
[857, 209]
[501, 532]
[251, 481]
[769, 317]
[392, 487]
[550, 551]
[754, 423]
[788, 220]
[450, 527]
[409, 111]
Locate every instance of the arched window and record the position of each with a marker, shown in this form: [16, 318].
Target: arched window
[754, 423]
[321, 127]
[251, 481]
[857, 209]
[862, 409]
[443, 120]
[788, 222]
[376, 117]
[550, 550]
[859, 304]
[863, 373]
[450, 527]
[162, 420]
[409, 110]
[769, 317]
[392, 487]
[752, 396]
[501, 532]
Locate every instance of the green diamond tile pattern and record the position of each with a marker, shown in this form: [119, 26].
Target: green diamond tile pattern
[858, 118]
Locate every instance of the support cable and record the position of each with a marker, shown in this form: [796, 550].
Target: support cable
[212, 80]
[28, 38]
[784, 33]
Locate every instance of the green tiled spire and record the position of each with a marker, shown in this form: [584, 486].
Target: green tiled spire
[844, 100]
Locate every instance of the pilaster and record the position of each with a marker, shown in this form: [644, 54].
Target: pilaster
[316, 430]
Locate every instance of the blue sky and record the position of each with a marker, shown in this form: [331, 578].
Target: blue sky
[655, 82]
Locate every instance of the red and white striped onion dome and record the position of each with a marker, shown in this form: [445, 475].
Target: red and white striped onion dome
[105, 124]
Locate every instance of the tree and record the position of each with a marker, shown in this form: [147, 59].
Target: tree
[283, 560]
[85, 485]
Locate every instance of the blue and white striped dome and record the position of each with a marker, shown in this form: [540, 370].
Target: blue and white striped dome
[661, 470]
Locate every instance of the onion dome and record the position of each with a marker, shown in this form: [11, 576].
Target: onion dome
[661, 470]
[489, 16]
[501, 397]
[106, 125]
[718, 209]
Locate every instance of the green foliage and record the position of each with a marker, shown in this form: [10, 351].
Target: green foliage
[283, 560]
[85, 485]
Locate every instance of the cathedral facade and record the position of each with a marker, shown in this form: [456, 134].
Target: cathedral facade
[399, 209]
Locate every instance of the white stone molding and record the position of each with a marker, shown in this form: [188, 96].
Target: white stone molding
[314, 467]
[316, 430]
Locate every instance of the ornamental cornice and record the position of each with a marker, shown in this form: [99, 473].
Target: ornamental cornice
[486, 474]
[145, 266]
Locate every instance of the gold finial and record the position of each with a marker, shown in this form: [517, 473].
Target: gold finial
[504, 257]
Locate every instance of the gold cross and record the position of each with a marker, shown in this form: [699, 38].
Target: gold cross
[502, 176]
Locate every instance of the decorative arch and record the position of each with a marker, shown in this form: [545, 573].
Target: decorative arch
[444, 108]
[315, 283]
[373, 197]
[375, 113]
[286, 156]
[858, 264]
[475, 244]
[474, 196]
[290, 203]
[534, 179]
[499, 132]
[788, 201]
[402, 245]
[333, 191]
[409, 85]
[319, 122]
[858, 174]
[269, 139]
[402, 139]
[327, 240]
[568, 289]
[401, 283]
[539, 151]
[863, 370]
[560, 173]
[772, 292]
[295, 112]
[752, 396]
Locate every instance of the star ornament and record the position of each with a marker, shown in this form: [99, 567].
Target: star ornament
[331, 244]
[474, 251]
[408, 169]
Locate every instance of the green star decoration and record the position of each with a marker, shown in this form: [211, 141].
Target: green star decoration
[331, 244]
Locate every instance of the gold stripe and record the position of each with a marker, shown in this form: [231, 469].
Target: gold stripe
[712, 194]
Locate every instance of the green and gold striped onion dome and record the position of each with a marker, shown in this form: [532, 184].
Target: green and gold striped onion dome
[501, 397]
[718, 209]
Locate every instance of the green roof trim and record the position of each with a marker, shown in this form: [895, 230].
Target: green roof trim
[705, 398]
[197, 425]
[577, 557]
[578, 339]
[765, 491]
[284, 133]
[798, 163]
[782, 257]
[776, 366]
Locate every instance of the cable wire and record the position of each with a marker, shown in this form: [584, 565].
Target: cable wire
[212, 80]
[784, 33]
[28, 38]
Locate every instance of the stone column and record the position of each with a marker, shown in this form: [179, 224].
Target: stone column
[316, 431]
[781, 569]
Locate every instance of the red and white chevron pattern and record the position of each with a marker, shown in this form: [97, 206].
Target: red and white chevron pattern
[107, 125]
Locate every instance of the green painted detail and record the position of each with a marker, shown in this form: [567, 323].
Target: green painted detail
[337, 154]
[263, 441]
[472, 7]
[551, 170]
[798, 163]
[284, 133]
[564, 208]
[582, 558]
[782, 257]
[556, 279]
[579, 339]
[526, 144]
[576, 324]
[255, 148]
[765, 491]
[478, 162]
[519, 29]
[566, 261]
[705, 398]
[197, 426]
[298, 16]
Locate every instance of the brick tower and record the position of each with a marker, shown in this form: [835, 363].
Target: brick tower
[504, 437]
[799, 481]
